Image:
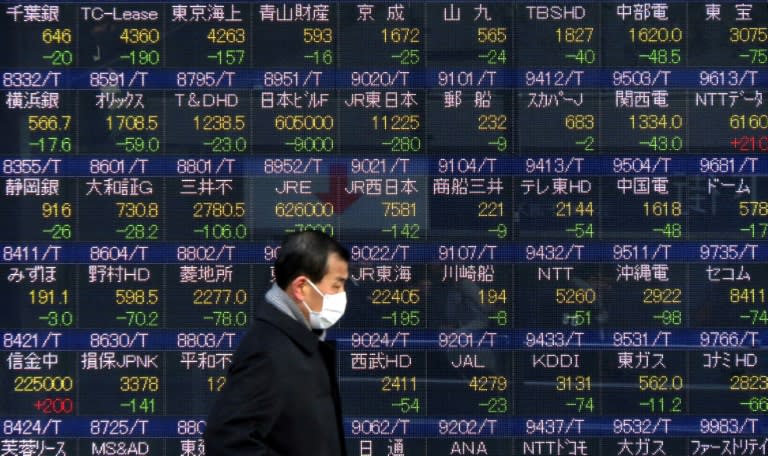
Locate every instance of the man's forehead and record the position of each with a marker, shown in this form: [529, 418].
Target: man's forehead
[338, 268]
[335, 259]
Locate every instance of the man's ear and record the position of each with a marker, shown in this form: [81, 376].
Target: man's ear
[296, 288]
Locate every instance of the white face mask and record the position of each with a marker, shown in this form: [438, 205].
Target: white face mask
[334, 306]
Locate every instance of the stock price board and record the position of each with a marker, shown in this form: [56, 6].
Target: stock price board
[557, 215]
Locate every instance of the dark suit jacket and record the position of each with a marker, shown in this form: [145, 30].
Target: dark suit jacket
[281, 395]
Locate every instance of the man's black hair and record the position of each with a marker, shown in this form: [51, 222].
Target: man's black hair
[306, 253]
